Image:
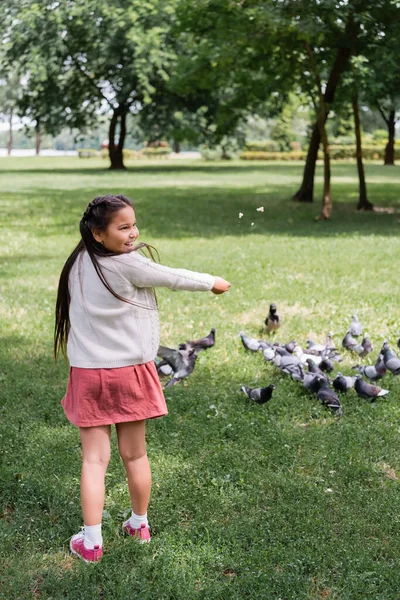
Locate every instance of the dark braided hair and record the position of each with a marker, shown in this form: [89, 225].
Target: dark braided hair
[98, 215]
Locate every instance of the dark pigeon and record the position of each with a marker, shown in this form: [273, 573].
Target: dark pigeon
[312, 368]
[290, 346]
[203, 343]
[329, 398]
[367, 345]
[326, 365]
[163, 368]
[342, 384]
[311, 382]
[258, 395]
[367, 390]
[182, 362]
[272, 322]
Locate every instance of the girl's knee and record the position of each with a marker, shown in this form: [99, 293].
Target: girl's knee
[101, 458]
[129, 455]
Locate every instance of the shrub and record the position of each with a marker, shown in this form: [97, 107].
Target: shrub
[380, 136]
[295, 146]
[87, 153]
[159, 152]
[258, 155]
[262, 146]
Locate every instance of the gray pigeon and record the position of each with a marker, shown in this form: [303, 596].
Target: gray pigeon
[272, 322]
[249, 343]
[329, 398]
[367, 345]
[367, 390]
[295, 370]
[343, 384]
[258, 395]
[372, 372]
[355, 327]
[163, 368]
[182, 362]
[315, 348]
[391, 360]
[398, 343]
[326, 365]
[350, 343]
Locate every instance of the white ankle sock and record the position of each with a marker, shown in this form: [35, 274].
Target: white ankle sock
[137, 520]
[93, 536]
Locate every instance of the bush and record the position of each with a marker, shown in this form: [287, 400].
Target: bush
[380, 136]
[257, 155]
[159, 152]
[263, 146]
[127, 154]
[295, 146]
[87, 153]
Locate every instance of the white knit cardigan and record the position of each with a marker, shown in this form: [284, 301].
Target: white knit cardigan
[106, 332]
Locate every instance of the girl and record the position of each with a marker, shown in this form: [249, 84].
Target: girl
[107, 325]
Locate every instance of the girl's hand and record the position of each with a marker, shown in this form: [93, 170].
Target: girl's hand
[220, 286]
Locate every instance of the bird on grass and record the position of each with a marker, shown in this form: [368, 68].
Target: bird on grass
[329, 398]
[311, 382]
[350, 343]
[315, 348]
[203, 343]
[398, 343]
[355, 327]
[367, 345]
[258, 395]
[272, 322]
[342, 384]
[390, 358]
[326, 365]
[163, 368]
[372, 372]
[367, 390]
[249, 343]
[267, 350]
[182, 362]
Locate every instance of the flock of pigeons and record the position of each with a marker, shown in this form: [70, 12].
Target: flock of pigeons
[312, 366]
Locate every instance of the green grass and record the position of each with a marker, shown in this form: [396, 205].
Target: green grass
[239, 507]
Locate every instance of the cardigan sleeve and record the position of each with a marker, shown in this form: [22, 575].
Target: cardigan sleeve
[144, 273]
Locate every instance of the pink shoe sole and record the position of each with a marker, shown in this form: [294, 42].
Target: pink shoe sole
[143, 534]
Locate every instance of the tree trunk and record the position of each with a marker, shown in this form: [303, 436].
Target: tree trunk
[363, 203]
[116, 150]
[37, 142]
[177, 147]
[305, 192]
[10, 135]
[389, 150]
[326, 210]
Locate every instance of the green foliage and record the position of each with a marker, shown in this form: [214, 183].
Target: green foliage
[156, 152]
[87, 152]
[380, 136]
[262, 146]
[261, 155]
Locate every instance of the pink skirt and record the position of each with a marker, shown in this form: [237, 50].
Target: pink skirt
[106, 396]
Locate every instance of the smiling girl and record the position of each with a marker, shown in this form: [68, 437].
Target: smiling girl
[107, 324]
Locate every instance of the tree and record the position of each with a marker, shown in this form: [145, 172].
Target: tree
[106, 53]
[10, 92]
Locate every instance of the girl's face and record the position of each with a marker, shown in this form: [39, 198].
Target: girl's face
[121, 232]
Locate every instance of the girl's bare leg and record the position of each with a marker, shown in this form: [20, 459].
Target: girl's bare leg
[132, 448]
[95, 457]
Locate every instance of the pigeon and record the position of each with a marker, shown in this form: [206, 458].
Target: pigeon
[258, 395]
[367, 390]
[298, 351]
[203, 343]
[290, 346]
[312, 368]
[355, 327]
[163, 368]
[326, 365]
[372, 372]
[314, 348]
[367, 345]
[398, 343]
[350, 343]
[329, 398]
[295, 370]
[249, 343]
[268, 351]
[390, 359]
[329, 343]
[272, 322]
[182, 362]
[311, 382]
[343, 384]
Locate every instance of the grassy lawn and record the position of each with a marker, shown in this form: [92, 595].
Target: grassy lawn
[240, 506]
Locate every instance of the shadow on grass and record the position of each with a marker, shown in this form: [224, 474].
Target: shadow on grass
[209, 212]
